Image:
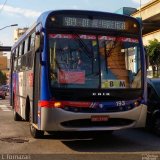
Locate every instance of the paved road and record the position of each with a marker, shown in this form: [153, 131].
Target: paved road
[127, 144]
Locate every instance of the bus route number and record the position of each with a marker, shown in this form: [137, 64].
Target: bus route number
[120, 103]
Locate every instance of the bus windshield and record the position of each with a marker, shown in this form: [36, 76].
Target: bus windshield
[94, 61]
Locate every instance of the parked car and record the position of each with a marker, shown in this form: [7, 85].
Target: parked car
[5, 88]
[2, 93]
[153, 116]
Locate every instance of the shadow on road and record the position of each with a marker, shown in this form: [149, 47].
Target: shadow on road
[131, 140]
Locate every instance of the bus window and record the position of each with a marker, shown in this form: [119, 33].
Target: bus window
[23, 62]
[32, 41]
[20, 50]
[29, 43]
[26, 46]
[73, 57]
[23, 47]
[29, 60]
[17, 52]
[15, 61]
[119, 65]
[19, 64]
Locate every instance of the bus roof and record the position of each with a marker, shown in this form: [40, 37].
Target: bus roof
[43, 18]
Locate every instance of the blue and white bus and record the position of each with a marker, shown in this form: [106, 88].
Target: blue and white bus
[79, 71]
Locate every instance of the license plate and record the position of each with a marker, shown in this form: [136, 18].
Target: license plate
[99, 118]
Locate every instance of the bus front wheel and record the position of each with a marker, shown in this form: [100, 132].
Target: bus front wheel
[35, 132]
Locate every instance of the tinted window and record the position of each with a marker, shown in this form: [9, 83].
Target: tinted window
[152, 95]
[29, 43]
[32, 42]
[19, 64]
[26, 46]
[23, 62]
[29, 60]
[17, 52]
[23, 47]
[20, 50]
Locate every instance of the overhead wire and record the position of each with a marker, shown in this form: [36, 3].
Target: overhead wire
[3, 6]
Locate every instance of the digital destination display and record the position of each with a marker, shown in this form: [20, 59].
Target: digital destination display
[93, 23]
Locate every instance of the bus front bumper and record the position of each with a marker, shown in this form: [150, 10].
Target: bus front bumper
[55, 119]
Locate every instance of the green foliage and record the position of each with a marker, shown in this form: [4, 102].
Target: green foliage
[153, 51]
[3, 78]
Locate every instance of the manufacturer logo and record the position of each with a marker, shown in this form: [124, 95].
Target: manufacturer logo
[100, 94]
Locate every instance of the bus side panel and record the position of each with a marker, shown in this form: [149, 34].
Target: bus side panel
[36, 89]
[23, 88]
[16, 92]
[11, 81]
[21, 92]
[29, 89]
[26, 90]
[19, 96]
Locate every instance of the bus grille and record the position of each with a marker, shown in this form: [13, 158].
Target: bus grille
[88, 123]
[97, 110]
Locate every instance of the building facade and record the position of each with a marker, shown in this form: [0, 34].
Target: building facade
[150, 14]
[3, 63]
[18, 33]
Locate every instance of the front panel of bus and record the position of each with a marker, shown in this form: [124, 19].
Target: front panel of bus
[95, 69]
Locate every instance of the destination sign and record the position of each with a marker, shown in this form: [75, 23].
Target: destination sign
[93, 23]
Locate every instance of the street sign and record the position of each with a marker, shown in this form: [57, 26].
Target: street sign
[5, 48]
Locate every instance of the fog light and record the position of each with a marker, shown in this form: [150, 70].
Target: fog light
[136, 103]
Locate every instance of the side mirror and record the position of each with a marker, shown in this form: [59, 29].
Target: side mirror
[39, 41]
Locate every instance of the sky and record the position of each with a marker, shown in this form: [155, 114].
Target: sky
[25, 12]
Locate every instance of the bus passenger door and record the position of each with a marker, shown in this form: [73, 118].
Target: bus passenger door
[36, 88]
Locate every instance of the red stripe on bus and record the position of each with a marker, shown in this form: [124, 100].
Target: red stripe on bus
[48, 104]
[61, 104]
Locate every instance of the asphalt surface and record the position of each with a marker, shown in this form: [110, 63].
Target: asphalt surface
[15, 140]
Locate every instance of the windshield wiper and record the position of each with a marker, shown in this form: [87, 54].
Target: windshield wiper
[106, 57]
[88, 53]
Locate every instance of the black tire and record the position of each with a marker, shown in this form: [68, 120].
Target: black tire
[157, 126]
[16, 116]
[35, 133]
[27, 109]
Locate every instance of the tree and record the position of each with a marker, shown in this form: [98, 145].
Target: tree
[153, 51]
[3, 78]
